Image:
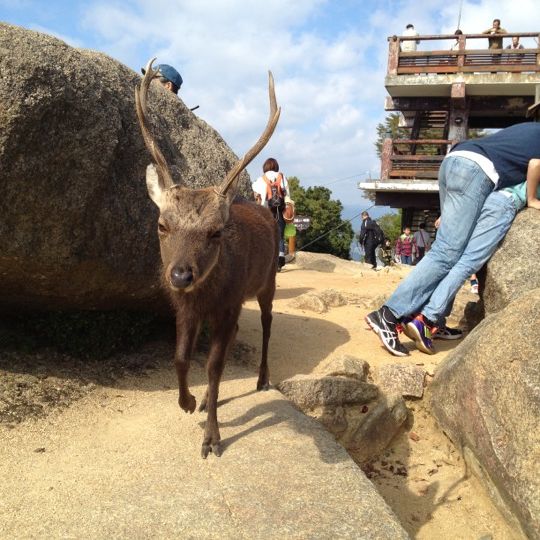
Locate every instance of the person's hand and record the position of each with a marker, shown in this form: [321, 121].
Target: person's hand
[438, 222]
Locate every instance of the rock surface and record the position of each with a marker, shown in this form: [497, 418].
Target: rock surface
[362, 418]
[403, 379]
[308, 391]
[486, 397]
[78, 229]
[513, 269]
[319, 302]
[125, 463]
[345, 365]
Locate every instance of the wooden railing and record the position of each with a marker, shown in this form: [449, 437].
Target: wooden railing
[412, 158]
[464, 58]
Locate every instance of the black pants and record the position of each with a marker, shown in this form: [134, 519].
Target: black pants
[369, 257]
[421, 253]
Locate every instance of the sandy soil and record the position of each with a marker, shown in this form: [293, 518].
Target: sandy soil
[421, 475]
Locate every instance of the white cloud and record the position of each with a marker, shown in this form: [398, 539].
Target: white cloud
[331, 89]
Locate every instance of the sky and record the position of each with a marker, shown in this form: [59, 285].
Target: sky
[328, 58]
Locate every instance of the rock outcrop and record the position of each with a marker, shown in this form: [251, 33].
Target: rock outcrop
[513, 269]
[486, 397]
[78, 229]
[362, 417]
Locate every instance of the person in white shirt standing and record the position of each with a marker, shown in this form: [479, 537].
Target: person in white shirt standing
[409, 45]
[272, 191]
[423, 241]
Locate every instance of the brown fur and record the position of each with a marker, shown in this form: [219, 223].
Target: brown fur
[241, 264]
[215, 255]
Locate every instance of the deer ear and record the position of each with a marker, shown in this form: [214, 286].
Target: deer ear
[153, 186]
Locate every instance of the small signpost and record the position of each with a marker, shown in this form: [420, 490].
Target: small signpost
[302, 222]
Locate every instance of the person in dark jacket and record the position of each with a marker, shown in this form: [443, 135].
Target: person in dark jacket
[367, 240]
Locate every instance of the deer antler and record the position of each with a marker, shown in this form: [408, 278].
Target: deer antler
[164, 175]
[259, 145]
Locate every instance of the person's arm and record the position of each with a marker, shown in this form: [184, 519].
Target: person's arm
[488, 31]
[533, 180]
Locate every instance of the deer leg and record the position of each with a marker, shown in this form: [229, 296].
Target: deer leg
[224, 334]
[265, 300]
[186, 337]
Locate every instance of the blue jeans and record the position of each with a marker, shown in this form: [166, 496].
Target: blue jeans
[463, 189]
[495, 219]
[406, 259]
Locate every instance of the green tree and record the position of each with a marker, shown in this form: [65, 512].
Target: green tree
[325, 214]
[391, 225]
[390, 128]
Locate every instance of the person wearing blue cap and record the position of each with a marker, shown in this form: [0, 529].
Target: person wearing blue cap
[168, 77]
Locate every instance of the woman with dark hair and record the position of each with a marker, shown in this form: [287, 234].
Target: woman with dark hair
[272, 190]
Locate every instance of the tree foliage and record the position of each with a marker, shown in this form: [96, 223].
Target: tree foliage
[391, 225]
[325, 213]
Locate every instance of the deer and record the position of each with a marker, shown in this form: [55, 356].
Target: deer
[217, 250]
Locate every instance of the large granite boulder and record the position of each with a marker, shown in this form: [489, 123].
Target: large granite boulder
[486, 397]
[513, 269]
[78, 229]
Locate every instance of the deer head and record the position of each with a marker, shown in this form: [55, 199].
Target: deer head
[192, 225]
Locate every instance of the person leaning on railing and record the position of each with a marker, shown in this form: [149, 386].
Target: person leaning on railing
[495, 42]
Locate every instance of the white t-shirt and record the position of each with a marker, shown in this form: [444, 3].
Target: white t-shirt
[408, 46]
[259, 186]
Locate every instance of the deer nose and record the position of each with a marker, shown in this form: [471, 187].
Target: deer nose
[181, 277]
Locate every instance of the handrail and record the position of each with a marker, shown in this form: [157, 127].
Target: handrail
[459, 59]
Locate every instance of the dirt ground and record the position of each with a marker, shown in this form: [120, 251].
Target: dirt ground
[421, 475]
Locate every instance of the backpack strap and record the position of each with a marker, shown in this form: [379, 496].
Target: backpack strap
[269, 185]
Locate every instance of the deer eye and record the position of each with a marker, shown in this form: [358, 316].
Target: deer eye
[162, 228]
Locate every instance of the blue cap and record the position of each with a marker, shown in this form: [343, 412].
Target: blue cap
[169, 73]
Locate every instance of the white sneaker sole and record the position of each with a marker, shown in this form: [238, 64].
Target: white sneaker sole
[377, 330]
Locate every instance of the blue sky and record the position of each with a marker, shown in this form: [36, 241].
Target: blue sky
[328, 60]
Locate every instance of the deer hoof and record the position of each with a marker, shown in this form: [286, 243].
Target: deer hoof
[202, 406]
[262, 386]
[188, 404]
[207, 448]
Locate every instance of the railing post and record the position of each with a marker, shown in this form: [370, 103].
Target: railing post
[538, 53]
[462, 47]
[386, 158]
[393, 55]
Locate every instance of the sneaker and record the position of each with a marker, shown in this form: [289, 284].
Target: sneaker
[420, 331]
[474, 289]
[448, 333]
[385, 325]
[281, 263]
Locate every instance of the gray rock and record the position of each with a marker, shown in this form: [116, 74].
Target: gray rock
[364, 430]
[309, 302]
[486, 397]
[319, 302]
[370, 431]
[78, 229]
[513, 269]
[345, 365]
[309, 391]
[405, 379]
